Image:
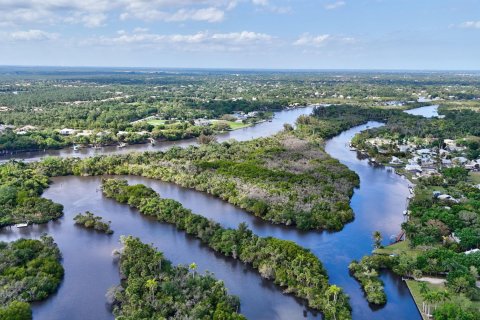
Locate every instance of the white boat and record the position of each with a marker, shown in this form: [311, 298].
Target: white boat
[122, 145]
[76, 148]
[21, 225]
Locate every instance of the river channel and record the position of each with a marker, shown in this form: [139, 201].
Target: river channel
[90, 270]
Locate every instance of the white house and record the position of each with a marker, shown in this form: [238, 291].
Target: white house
[202, 122]
[67, 132]
[472, 251]
[413, 168]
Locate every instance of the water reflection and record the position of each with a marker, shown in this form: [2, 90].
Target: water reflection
[378, 205]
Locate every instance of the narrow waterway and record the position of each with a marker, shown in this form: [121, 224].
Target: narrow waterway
[263, 129]
[89, 268]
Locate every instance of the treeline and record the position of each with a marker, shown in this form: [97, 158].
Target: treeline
[30, 270]
[283, 179]
[21, 187]
[461, 273]
[154, 289]
[287, 264]
[221, 107]
[366, 271]
[432, 220]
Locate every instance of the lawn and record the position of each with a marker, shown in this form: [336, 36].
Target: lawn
[234, 125]
[458, 299]
[399, 247]
[156, 122]
[475, 176]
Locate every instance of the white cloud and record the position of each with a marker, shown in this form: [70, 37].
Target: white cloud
[200, 41]
[470, 24]
[95, 13]
[260, 2]
[207, 14]
[313, 41]
[32, 35]
[322, 40]
[335, 5]
[94, 20]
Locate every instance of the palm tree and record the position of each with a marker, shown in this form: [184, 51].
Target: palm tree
[377, 239]
[424, 290]
[332, 292]
[193, 267]
[152, 285]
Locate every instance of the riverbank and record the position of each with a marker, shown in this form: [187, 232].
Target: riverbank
[87, 256]
[263, 129]
[435, 223]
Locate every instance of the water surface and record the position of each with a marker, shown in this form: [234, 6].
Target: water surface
[263, 129]
[89, 269]
[427, 112]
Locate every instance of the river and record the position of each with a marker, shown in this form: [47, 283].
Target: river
[256, 131]
[89, 268]
[427, 111]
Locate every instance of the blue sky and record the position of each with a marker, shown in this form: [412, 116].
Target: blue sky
[286, 34]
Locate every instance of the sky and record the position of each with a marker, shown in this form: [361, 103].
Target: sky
[249, 34]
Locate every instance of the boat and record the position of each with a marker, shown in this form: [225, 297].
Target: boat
[122, 145]
[76, 148]
[96, 147]
[21, 225]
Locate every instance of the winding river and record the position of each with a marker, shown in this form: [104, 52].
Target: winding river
[263, 129]
[90, 270]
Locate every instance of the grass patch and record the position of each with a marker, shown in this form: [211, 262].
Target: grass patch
[234, 125]
[156, 122]
[398, 248]
[458, 299]
[475, 177]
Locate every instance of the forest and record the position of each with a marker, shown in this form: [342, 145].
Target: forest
[283, 179]
[111, 100]
[21, 187]
[152, 288]
[30, 270]
[288, 265]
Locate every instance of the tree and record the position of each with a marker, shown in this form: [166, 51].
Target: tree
[452, 311]
[332, 294]
[377, 239]
[193, 267]
[206, 139]
[16, 310]
[151, 285]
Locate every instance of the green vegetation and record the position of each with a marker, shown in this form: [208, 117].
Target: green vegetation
[282, 179]
[90, 221]
[107, 102]
[442, 304]
[434, 220]
[16, 310]
[20, 190]
[439, 228]
[366, 272]
[30, 270]
[287, 264]
[154, 289]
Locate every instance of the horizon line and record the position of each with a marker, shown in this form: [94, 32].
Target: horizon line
[241, 68]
